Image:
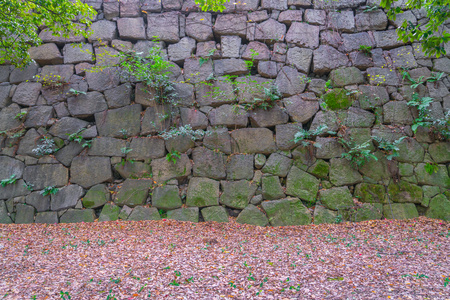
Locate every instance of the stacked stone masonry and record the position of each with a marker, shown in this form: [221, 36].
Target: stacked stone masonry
[246, 164]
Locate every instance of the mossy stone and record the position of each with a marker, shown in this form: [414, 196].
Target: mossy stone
[271, 188]
[319, 169]
[439, 178]
[302, 185]
[237, 194]
[166, 197]
[403, 191]
[215, 214]
[337, 99]
[278, 165]
[405, 169]
[46, 217]
[343, 173]
[202, 192]
[368, 212]
[323, 215]
[133, 192]
[97, 196]
[77, 216]
[251, 215]
[110, 212]
[286, 212]
[141, 213]
[400, 211]
[189, 214]
[371, 193]
[439, 208]
[337, 198]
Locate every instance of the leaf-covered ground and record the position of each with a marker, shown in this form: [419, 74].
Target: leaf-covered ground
[176, 260]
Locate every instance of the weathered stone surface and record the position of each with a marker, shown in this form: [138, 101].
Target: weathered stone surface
[337, 198]
[76, 53]
[342, 21]
[208, 163]
[5, 99]
[215, 214]
[41, 176]
[303, 35]
[46, 54]
[165, 26]
[400, 211]
[253, 216]
[38, 116]
[166, 197]
[268, 117]
[319, 169]
[254, 140]
[301, 108]
[439, 178]
[240, 166]
[237, 194]
[133, 192]
[397, 112]
[202, 192]
[103, 30]
[285, 134]
[343, 173]
[289, 16]
[83, 106]
[135, 170]
[287, 212]
[141, 213]
[116, 121]
[19, 75]
[27, 93]
[387, 39]
[66, 197]
[256, 51]
[24, 214]
[301, 58]
[215, 94]
[88, 171]
[118, 96]
[66, 126]
[107, 79]
[278, 165]
[403, 57]
[371, 193]
[77, 216]
[152, 122]
[230, 24]
[267, 69]
[10, 167]
[226, 115]
[359, 118]
[230, 46]
[372, 96]
[439, 208]
[146, 148]
[131, 28]
[302, 185]
[271, 188]
[97, 196]
[38, 201]
[194, 73]
[106, 146]
[47, 217]
[269, 30]
[324, 216]
[440, 152]
[405, 192]
[374, 20]
[346, 76]
[4, 216]
[189, 214]
[368, 212]
[231, 66]
[47, 36]
[352, 42]
[110, 212]
[180, 51]
[7, 117]
[329, 148]
[327, 58]
[199, 26]
[218, 139]
[13, 190]
[164, 170]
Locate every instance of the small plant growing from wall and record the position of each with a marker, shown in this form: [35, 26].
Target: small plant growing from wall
[46, 147]
[431, 168]
[11, 180]
[51, 81]
[358, 155]
[306, 137]
[172, 156]
[389, 149]
[49, 190]
[365, 49]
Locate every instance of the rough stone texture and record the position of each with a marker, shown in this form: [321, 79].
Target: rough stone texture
[215, 214]
[400, 211]
[269, 30]
[368, 212]
[278, 165]
[103, 30]
[131, 28]
[113, 122]
[166, 197]
[371, 193]
[303, 35]
[141, 213]
[133, 192]
[343, 173]
[225, 115]
[271, 188]
[254, 140]
[208, 163]
[324, 216]
[229, 24]
[110, 212]
[83, 106]
[439, 178]
[165, 26]
[286, 212]
[97, 196]
[237, 194]
[78, 216]
[202, 192]
[374, 20]
[189, 214]
[66, 197]
[47, 217]
[27, 93]
[164, 170]
[199, 26]
[240, 166]
[327, 58]
[89, 171]
[302, 185]
[46, 54]
[301, 58]
[346, 76]
[439, 208]
[24, 214]
[253, 216]
[338, 198]
[41, 176]
[343, 21]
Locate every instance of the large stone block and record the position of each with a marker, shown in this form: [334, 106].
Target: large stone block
[133, 192]
[338, 198]
[41, 176]
[27, 93]
[400, 211]
[86, 105]
[302, 185]
[38, 201]
[131, 28]
[290, 82]
[301, 108]
[202, 192]
[66, 197]
[180, 51]
[230, 24]
[327, 58]
[46, 54]
[253, 216]
[343, 21]
[103, 80]
[146, 148]
[165, 170]
[24, 214]
[254, 140]
[301, 58]
[97, 196]
[199, 26]
[78, 53]
[374, 20]
[165, 26]
[78, 216]
[188, 214]
[141, 213]
[226, 115]
[237, 194]
[166, 197]
[286, 212]
[120, 121]
[103, 30]
[208, 163]
[439, 208]
[303, 35]
[269, 31]
[88, 171]
[110, 212]
[271, 117]
[343, 173]
[278, 165]
[215, 214]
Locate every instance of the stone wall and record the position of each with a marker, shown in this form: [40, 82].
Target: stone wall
[244, 162]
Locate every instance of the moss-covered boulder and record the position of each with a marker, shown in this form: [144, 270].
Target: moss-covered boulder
[141, 213]
[189, 214]
[302, 185]
[319, 169]
[343, 173]
[439, 178]
[24, 214]
[253, 216]
[4, 216]
[97, 196]
[215, 214]
[133, 192]
[380, 169]
[286, 212]
[429, 192]
[237, 194]
[368, 212]
[166, 197]
[410, 151]
[77, 216]
[440, 152]
[271, 188]
[324, 216]
[371, 193]
[346, 76]
[439, 208]
[278, 165]
[337, 198]
[125, 212]
[400, 211]
[337, 99]
[403, 191]
[110, 212]
[202, 192]
[46, 217]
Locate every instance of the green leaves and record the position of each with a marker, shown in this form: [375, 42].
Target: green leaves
[212, 5]
[11, 180]
[19, 21]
